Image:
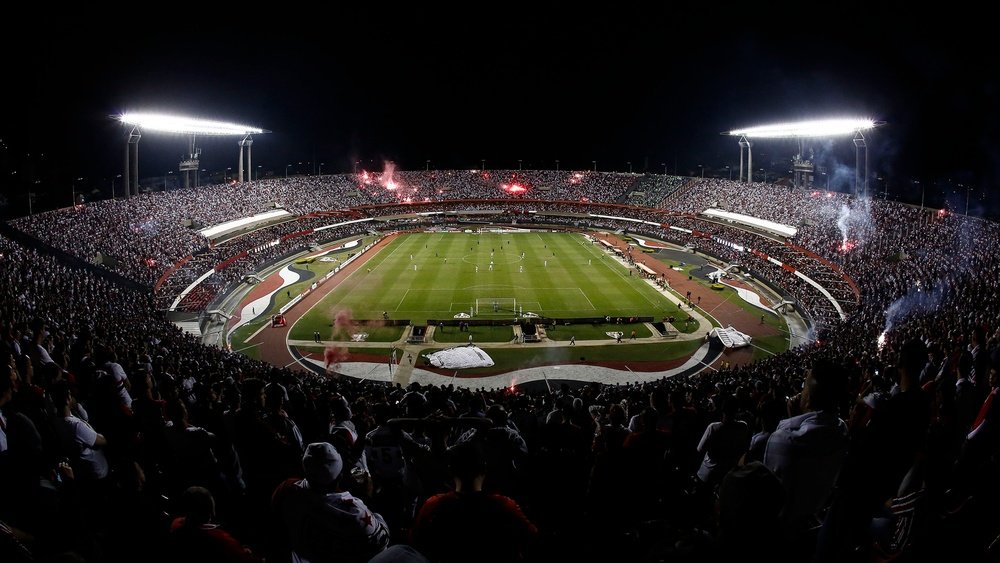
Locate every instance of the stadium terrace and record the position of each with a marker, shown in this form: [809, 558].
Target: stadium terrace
[125, 437]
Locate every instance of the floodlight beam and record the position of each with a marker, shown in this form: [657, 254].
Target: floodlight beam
[816, 128]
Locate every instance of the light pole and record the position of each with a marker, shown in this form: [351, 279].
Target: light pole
[702, 166]
[482, 165]
[557, 165]
[629, 166]
[730, 169]
[427, 165]
[968, 190]
[321, 168]
[113, 185]
[664, 165]
[764, 174]
[595, 165]
[286, 170]
[259, 171]
[519, 164]
[229, 174]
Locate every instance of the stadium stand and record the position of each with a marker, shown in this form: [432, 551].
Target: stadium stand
[109, 413]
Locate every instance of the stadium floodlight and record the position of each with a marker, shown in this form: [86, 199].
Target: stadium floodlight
[192, 127]
[807, 129]
[186, 125]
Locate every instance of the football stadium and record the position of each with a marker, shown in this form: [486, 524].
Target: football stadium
[599, 331]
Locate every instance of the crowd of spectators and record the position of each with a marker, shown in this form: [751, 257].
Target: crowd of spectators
[147, 234]
[124, 439]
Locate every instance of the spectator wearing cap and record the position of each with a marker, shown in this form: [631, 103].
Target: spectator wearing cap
[345, 437]
[320, 522]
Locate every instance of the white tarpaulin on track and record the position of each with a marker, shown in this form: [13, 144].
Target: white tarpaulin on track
[730, 337]
[460, 357]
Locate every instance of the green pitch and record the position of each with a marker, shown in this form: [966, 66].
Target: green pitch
[421, 276]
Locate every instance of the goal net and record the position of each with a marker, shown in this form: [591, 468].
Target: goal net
[496, 305]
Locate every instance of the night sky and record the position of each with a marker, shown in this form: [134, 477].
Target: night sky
[502, 82]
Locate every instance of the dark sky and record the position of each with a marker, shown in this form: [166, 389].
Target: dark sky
[505, 81]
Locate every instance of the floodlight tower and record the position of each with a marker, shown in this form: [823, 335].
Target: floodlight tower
[803, 169]
[184, 126]
[823, 128]
[860, 153]
[132, 157]
[247, 142]
[191, 165]
[745, 143]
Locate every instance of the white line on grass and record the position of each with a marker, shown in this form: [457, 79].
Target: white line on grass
[399, 244]
[584, 294]
[759, 348]
[599, 252]
[256, 332]
[405, 293]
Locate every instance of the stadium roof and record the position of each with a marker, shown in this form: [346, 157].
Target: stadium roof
[186, 125]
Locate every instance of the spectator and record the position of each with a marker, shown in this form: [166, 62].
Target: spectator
[722, 445]
[194, 536]
[468, 524]
[320, 521]
[806, 452]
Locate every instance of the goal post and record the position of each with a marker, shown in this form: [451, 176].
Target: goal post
[496, 305]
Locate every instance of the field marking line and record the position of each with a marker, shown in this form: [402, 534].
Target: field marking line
[256, 332]
[401, 299]
[726, 300]
[399, 244]
[584, 294]
[247, 347]
[600, 253]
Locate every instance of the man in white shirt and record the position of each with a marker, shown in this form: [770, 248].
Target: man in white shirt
[807, 451]
[83, 445]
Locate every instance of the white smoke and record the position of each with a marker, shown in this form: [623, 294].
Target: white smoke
[843, 218]
[916, 301]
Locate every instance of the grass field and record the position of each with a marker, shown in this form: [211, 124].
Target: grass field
[421, 276]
